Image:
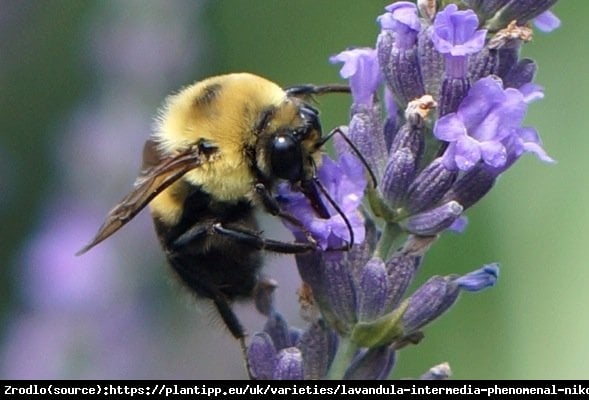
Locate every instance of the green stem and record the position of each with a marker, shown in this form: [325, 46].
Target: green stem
[343, 357]
[390, 236]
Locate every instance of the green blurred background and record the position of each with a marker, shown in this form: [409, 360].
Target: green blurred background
[79, 85]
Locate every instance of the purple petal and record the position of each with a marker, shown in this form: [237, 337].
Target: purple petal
[547, 21]
[493, 153]
[529, 141]
[480, 100]
[449, 128]
[468, 153]
[402, 20]
[531, 92]
[473, 45]
[459, 226]
[538, 151]
[405, 12]
[455, 32]
[479, 279]
[487, 126]
[362, 70]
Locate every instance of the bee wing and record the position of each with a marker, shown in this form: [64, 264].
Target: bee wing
[158, 173]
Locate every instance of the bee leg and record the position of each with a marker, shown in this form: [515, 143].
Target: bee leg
[313, 90]
[271, 205]
[230, 319]
[243, 236]
[197, 232]
[234, 326]
[256, 241]
[201, 283]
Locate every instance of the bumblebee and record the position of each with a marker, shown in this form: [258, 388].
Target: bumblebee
[219, 148]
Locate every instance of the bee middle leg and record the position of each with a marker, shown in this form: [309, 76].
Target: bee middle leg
[243, 236]
[253, 239]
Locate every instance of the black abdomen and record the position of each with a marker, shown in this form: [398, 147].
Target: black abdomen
[213, 266]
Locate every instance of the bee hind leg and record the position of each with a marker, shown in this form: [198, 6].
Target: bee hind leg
[202, 284]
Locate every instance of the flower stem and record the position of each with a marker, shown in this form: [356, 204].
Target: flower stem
[343, 358]
[391, 235]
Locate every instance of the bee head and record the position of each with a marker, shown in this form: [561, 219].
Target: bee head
[290, 151]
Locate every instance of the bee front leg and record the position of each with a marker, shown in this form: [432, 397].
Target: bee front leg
[306, 91]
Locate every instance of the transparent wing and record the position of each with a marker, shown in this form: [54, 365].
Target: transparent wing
[158, 173]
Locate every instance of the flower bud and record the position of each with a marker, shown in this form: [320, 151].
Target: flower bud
[373, 290]
[289, 365]
[434, 221]
[429, 186]
[317, 344]
[277, 328]
[261, 355]
[371, 364]
[437, 373]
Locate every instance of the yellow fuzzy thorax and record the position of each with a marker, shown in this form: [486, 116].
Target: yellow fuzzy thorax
[223, 111]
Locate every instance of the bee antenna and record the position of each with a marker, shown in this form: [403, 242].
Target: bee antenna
[353, 147]
[339, 211]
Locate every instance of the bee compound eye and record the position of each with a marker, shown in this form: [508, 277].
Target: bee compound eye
[286, 158]
[311, 116]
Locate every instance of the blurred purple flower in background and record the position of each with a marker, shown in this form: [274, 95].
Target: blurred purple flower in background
[84, 317]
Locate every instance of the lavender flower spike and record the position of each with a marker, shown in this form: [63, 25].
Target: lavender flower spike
[464, 94]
